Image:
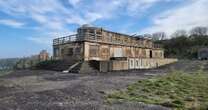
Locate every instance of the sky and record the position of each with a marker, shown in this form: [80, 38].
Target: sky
[28, 26]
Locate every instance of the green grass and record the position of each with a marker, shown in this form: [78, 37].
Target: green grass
[176, 90]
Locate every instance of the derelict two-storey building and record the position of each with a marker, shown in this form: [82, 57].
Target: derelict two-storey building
[110, 50]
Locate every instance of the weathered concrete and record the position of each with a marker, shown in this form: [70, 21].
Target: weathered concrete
[140, 63]
[97, 44]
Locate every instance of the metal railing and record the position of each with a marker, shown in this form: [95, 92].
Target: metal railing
[66, 39]
[157, 46]
[99, 38]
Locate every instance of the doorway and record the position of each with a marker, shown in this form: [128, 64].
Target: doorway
[150, 53]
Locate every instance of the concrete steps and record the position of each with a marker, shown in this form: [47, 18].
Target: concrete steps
[83, 67]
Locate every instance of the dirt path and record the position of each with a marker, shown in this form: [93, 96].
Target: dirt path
[48, 90]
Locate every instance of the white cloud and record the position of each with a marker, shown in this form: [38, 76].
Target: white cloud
[49, 13]
[186, 17]
[42, 11]
[52, 16]
[76, 19]
[12, 23]
[74, 2]
[138, 6]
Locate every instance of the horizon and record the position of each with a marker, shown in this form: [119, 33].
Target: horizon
[28, 26]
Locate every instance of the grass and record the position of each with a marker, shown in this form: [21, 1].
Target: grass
[176, 90]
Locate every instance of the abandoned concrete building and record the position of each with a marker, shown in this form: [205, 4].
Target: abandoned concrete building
[103, 50]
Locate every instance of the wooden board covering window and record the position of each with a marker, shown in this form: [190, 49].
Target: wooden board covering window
[144, 53]
[105, 53]
[94, 51]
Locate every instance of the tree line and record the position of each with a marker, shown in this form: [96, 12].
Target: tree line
[8, 63]
[18, 63]
[183, 44]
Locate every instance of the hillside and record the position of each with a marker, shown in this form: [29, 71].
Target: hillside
[184, 47]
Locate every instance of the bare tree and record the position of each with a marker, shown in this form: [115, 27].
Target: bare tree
[147, 35]
[158, 36]
[201, 31]
[179, 33]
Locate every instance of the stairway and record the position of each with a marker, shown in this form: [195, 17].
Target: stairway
[75, 67]
[84, 67]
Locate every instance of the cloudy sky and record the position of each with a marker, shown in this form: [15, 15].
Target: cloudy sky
[27, 26]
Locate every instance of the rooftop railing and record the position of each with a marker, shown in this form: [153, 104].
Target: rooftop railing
[66, 39]
[98, 38]
[157, 46]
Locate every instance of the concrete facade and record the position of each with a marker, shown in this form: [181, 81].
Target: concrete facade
[98, 44]
[140, 63]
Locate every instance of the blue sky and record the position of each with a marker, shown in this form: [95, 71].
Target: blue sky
[28, 26]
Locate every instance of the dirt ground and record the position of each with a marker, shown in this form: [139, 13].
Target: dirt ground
[49, 90]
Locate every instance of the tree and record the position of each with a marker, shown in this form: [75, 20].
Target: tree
[179, 33]
[199, 31]
[147, 35]
[158, 36]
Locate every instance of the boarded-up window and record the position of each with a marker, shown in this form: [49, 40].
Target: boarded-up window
[94, 51]
[143, 53]
[105, 52]
[128, 52]
[137, 52]
[118, 52]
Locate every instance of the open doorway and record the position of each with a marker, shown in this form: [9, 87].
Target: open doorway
[150, 53]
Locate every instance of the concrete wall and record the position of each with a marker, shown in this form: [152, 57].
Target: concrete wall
[99, 44]
[69, 51]
[139, 63]
[105, 36]
[118, 65]
[103, 51]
